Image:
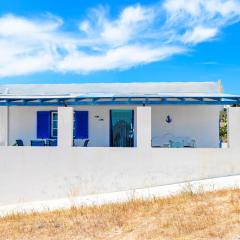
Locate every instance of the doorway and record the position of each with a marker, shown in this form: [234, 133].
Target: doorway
[121, 128]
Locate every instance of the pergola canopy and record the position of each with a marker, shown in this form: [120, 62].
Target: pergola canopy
[208, 93]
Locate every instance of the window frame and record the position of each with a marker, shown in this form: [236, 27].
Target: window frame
[52, 124]
[74, 122]
[56, 120]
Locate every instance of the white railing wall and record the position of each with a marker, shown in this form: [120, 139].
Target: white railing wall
[41, 173]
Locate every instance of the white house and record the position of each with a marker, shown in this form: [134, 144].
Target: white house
[61, 139]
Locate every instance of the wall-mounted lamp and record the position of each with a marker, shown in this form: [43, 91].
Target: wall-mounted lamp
[168, 119]
[98, 118]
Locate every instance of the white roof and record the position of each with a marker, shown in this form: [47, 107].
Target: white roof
[187, 89]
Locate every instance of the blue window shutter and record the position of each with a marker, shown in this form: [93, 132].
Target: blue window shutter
[81, 125]
[43, 124]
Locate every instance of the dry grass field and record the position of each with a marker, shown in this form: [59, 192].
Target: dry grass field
[212, 215]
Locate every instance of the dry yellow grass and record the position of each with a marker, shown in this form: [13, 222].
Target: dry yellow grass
[212, 215]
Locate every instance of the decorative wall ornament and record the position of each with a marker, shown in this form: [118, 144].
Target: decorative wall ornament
[168, 119]
[99, 118]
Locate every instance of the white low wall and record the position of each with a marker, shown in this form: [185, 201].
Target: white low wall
[42, 173]
[200, 123]
[30, 174]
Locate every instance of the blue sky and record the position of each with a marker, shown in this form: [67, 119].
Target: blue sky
[108, 41]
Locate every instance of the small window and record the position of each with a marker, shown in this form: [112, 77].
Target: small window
[54, 124]
[79, 127]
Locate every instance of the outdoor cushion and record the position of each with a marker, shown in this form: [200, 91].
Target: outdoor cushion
[37, 143]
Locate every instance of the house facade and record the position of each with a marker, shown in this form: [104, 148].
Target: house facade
[92, 138]
[99, 111]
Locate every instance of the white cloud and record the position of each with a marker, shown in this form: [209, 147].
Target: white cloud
[138, 35]
[196, 8]
[199, 34]
[196, 21]
[131, 21]
[116, 58]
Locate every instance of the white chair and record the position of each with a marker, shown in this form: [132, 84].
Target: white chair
[189, 142]
[174, 144]
[162, 141]
[183, 142]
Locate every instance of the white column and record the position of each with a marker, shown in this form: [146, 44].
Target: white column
[4, 114]
[65, 126]
[234, 127]
[144, 127]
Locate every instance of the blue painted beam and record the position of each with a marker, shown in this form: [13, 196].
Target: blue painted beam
[119, 101]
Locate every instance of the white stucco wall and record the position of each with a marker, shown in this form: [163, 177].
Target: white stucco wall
[198, 122]
[41, 173]
[143, 128]
[34, 174]
[233, 127]
[22, 123]
[65, 127]
[99, 131]
[4, 126]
